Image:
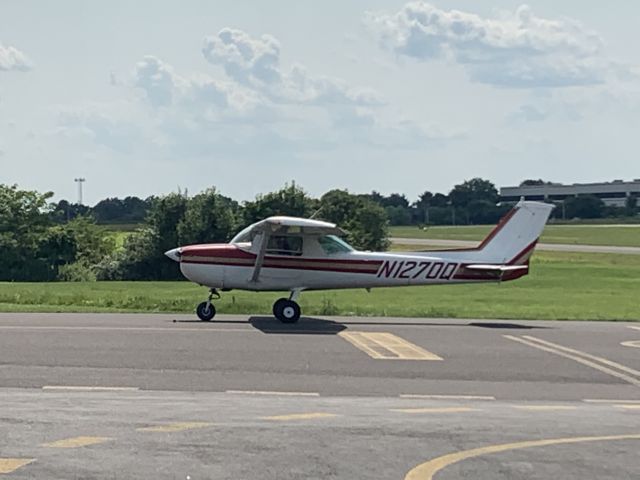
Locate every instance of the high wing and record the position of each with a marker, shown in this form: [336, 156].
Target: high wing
[282, 226]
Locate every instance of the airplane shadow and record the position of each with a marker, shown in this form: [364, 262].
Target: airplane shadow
[305, 326]
[310, 325]
[512, 326]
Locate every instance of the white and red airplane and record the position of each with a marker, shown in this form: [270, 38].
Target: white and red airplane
[296, 254]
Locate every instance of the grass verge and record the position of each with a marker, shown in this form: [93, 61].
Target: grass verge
[563, 286]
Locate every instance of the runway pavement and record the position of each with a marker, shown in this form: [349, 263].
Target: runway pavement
[549, 247]
[164, 396]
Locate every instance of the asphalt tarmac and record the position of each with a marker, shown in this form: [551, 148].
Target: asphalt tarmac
[165, 396]
[548, 247]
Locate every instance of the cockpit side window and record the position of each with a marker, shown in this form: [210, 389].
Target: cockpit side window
[333, 245]
[285, 245]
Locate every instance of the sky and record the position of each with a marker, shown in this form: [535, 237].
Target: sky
[148, 97]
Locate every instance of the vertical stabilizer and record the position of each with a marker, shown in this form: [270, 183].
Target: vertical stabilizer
[512, 241]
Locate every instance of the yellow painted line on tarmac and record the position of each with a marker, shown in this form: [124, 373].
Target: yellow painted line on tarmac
[447, 397]
[299, 416]
[543, 408]
[174, 427]
[80, 388]
[632, 344]
[9, 465]
[387, 346]
[629, 407]
[427, 470]
[77, 442]
[435, 410]
[577, 358]
[274, 393]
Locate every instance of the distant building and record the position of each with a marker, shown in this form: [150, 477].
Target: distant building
[612, 193]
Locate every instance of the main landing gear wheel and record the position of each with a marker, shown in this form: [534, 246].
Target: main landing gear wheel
[287, 311]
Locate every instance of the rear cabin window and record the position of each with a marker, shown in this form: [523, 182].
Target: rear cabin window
[285, 245]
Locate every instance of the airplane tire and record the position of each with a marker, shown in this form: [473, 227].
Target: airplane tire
[206, 313]
[278, 306]
[288, 311]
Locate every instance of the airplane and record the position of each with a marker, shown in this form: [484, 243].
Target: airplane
[297, 254]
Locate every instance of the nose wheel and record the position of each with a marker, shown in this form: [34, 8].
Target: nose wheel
[206, 311]
[287, 311]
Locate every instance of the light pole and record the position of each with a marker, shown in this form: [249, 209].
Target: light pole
[79, 181]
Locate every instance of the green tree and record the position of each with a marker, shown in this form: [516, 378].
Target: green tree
[631, 205]
[80, 243]
[422, 205]
[290, 200]
[142, 256]
[532, 182]
[24, 221]
[473, 190]
[208, 218]
[364, 220]
[584, 206]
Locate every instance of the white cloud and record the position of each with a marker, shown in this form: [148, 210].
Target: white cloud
[257, 110]
[516, 50]
[102, 124]
[255, 63]
[13, 59]
[163, 88]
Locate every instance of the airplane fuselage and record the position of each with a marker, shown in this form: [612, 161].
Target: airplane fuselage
[227, 266]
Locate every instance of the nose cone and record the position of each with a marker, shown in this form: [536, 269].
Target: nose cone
[174, 254]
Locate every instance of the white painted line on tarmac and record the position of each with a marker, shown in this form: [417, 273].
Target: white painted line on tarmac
[632, 344]
[124, 329]
[81, 388]
[447, 397]
[628, 407]
[274, 393]
[174, 427]
[584, 354]
[299, 416]
[435, 410]
[580, 357]
[543, 408]
[606, 400]
[634, 327]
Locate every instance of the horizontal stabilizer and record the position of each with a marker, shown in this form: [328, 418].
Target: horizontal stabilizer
[496, 268]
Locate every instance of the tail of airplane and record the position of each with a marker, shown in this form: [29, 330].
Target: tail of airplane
[505, 253]
[512, 241]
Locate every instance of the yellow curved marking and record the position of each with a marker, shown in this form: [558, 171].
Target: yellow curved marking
[8, 465]
[427, 470]
[632, 343]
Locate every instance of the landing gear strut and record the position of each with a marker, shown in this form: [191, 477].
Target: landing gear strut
[206, 311]
[286, 309]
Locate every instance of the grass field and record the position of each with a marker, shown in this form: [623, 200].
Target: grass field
[618, 235]
[561, 286]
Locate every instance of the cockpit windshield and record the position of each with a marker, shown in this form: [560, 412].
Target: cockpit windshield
[332, 245]
[245, 236]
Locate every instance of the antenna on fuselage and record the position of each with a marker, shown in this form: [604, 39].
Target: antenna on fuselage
[316, 213]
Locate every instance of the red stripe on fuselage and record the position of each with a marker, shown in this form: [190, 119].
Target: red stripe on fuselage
[232, 256]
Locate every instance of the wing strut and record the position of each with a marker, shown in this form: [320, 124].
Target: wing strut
[260, 259]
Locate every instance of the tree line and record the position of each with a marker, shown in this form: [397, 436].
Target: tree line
[45, 241]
